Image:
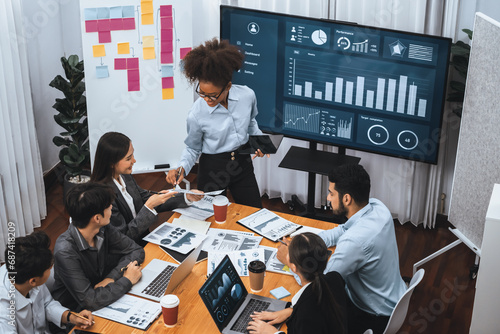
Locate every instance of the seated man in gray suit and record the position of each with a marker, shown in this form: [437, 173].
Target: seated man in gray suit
[90, 255]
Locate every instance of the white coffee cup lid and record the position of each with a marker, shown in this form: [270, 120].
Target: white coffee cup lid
[169, 301]
[220, 200]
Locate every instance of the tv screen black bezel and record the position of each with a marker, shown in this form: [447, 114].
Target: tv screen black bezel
[437, 140]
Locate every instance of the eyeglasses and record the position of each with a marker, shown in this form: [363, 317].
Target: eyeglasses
[210, 97]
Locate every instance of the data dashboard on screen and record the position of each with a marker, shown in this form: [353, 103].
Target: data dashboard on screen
[354, 86]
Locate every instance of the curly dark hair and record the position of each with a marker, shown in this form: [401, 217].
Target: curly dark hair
[213, 62]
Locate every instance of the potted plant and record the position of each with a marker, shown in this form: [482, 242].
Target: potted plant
[460, 52]
[72, 116]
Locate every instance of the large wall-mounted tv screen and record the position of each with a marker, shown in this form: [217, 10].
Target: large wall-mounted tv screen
[348, 85]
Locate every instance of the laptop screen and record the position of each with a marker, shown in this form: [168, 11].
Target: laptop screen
[223, 293]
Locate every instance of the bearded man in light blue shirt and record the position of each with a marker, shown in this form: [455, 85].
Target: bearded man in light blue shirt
[366, 253]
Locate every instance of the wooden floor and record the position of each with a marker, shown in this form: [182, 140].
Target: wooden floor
[443, 301]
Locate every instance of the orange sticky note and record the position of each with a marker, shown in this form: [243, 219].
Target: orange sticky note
[167, 93]
[147, 19]
[99, 50]
[123, 48]
[148, 41]
[148, 53]
[146, 7]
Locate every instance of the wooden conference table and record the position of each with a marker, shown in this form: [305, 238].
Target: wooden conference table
[193, 315]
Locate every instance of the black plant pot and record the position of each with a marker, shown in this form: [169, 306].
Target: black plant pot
[67, 185]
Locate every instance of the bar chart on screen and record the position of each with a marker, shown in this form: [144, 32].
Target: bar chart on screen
[333, 81]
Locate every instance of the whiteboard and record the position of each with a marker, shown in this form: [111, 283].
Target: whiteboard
[478, 157]
[133, 102]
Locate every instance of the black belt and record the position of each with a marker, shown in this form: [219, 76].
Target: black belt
[229, 155]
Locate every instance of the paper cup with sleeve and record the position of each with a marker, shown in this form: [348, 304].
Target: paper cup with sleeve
[170, 309]
[256, 271]
[220, 204]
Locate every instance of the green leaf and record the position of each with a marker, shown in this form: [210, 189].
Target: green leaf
[468, 32]
[60, 141]
[60, 83]
[69, 133]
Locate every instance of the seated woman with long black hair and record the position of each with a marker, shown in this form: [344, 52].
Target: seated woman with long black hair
[320, 305]
[134, 209]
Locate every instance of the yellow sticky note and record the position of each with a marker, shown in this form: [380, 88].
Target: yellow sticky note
[167, 93]
[123, 48]
[148, 41]
[99, 50]
[147, 19]
[146, 7]
[148, 53]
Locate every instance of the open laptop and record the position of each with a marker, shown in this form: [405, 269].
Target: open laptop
[229, 302]
[161, 277]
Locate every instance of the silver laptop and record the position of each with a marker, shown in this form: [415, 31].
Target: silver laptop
[229, 302]
[161, 277]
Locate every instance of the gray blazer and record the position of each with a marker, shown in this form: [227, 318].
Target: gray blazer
[121, 216]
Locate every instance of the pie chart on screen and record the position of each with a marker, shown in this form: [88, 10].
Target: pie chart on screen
[319, 37]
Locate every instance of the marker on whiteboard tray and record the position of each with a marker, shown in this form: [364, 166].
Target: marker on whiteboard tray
[162, 166]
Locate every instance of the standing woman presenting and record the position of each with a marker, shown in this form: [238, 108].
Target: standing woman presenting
[219, 123]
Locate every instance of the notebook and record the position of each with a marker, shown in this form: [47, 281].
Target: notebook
[160, 277]
[229, 302]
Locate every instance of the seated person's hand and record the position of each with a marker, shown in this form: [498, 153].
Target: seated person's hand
[159, 199]
[133, 272]
[83, 324]
[103, 283]
[273, 318]
[173, 178]
[259, 154]
[282, 254]
[260, 327]
[195, 198]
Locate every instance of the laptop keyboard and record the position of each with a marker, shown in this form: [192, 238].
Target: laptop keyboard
[253, 305]
[158, 286]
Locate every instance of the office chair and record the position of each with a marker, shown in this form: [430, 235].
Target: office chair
[399, 313]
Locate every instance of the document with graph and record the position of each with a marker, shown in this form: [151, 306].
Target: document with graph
[131, 311]
[174, 237]
[269, 225]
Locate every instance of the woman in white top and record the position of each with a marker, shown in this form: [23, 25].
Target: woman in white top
[135, 209]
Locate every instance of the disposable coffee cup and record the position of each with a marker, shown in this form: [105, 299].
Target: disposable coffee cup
[170, 309]
[256, 271]
[220, 208]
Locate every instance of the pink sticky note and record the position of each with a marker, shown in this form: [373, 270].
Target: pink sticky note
[166, 10]
[132, 63]
[91, 26]
[120, 63]
[167, 46]
[104, 37]
[184, 52]
[133, 75]
[167, 34]
[128, 23]
[167, 58]
[167, 82]
[116, 24]
[103, 25]
[133, 86]
[167, 22]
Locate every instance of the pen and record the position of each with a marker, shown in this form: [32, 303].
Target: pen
[179, 171]
[126, 267]
[284, 243]
[81, 317]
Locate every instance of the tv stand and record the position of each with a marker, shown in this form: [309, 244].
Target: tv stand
[314, 162]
